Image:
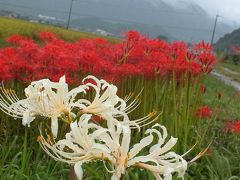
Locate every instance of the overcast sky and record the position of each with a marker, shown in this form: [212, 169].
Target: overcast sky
[228, 9]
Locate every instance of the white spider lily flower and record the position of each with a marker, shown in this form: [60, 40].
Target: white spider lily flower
[160, 160]
[44, 98]
[168, 162]
[106, 101]
[79, 146]
[108, 105]
[89, 142]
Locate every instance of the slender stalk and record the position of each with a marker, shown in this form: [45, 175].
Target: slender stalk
[175, 104]
[24, 155]
[72, 174]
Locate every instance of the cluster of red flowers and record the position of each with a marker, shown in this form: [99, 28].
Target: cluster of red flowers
[26, 60]
[235, 49]
[232, 126]
[204, 112]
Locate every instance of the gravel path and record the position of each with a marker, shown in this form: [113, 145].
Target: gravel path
[227, 80]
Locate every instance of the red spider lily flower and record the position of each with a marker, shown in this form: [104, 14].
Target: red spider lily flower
[136, 55]
[235, 49]
[15, 39]
[203, 46]
[232, 126]
[204, 112]
[48, 36]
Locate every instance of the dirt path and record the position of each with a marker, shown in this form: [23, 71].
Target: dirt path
[226, 79]
[230, 71]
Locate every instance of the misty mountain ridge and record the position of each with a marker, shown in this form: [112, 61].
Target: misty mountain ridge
[118, 28]
[228, 41]
[177, 20]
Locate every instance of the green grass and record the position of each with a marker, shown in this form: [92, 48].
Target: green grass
[226, 107]
[18, 161]
[230, 66]
[9, 26]
[222, 162]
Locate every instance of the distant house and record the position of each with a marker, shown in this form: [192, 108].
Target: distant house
[103, 32]
[47, 17]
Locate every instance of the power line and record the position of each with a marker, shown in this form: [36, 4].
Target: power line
[214, 28]
[70, 13]
[163, 26]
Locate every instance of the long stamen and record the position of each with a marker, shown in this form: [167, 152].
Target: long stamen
[128, 97]
[7, 93]
[8, 97]
[142, 123]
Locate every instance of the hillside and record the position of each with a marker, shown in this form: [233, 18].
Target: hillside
[185, 20]
[116, 28]
[228, 40]
[14, 26]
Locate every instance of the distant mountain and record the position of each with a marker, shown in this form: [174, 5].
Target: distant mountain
[12, 15]
[183, 21]
[117, 28]
[226, 42]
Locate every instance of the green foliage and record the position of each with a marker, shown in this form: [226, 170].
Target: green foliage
[13, 26]
[22, 158]
[175, 100]
[223, 98]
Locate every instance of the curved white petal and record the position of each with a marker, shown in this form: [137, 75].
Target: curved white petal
[54, 126]
[78, 170]
[62, 79]
[27, 119]
[126, 138]
[142, 159]
[138, 147]
[169, 145]
[157, 176]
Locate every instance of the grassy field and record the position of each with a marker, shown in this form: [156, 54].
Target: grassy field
[12, 26]
[222, 160]
[18, 161]
[228, 104]
[230, 66]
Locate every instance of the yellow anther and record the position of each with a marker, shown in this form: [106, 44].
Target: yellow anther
[39, 139]
[6, 91]
[152, 113]
[69, 119]
[42, 89]
[49, 137]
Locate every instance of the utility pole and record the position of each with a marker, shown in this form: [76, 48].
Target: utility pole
[70, 13]
[214, 28]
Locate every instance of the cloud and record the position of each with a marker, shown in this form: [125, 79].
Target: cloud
[228, 9]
